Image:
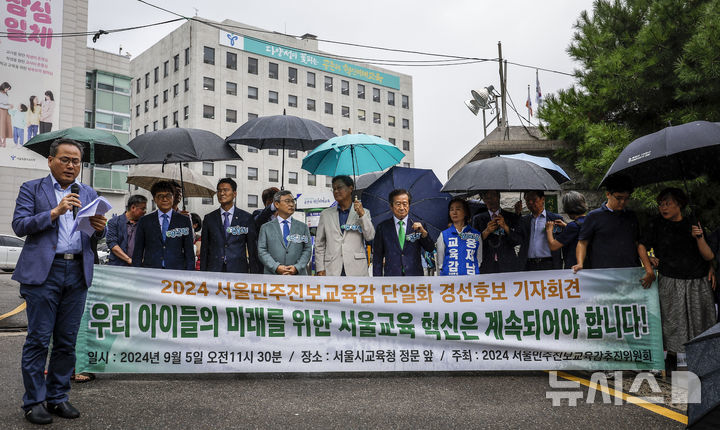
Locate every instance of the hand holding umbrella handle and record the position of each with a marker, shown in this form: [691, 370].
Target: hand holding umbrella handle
[417, 226]
[357, 205]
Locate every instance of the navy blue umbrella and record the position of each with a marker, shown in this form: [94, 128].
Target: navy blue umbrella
[428, 203]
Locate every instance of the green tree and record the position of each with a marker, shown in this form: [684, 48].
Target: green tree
[643, 65]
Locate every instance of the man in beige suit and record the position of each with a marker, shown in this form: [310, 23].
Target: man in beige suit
[341, 234]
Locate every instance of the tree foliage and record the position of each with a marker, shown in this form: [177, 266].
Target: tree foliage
[643, 65]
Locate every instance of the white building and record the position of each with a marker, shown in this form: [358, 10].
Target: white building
[216, 77]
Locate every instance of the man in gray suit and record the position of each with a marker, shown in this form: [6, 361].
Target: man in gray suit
[284, 244]
[342, 232]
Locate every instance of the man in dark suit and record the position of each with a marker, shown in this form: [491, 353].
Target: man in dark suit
[164, 238]
[268, 212]
[400, 240]
[55, 269]
[499, 234]
[229, 238]
[535, 252]
[121, 231]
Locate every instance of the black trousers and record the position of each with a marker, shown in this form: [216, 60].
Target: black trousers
[539, 264]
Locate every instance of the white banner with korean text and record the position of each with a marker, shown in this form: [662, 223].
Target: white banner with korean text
[163, 321]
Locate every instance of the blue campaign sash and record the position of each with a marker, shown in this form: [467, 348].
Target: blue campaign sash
[461, 251]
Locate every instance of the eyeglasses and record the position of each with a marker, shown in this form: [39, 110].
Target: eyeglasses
[70, 161]
[164, 196]
[288, 201]
[620, 198]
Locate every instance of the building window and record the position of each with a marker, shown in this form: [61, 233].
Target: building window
[230, 171]
[391, 98]
[272, 70]
[345, 111]
[155, 125]
[176, 63]
[165, 96]
[208, 112]
[137, 132]
[361, 114]
[312, 180]
[292, 75]
[376, 118]
[252, 116]
[137, 110]
[147, 80]
[273, 151]
[292, 100]
[165, 122]
[252, 66]
[187, 56]
[311, 79]
[208, 168]
[166, 69]
[155, 101]
[145, 129]
[391, 121]
[345, 88]
[175, 119]
[328, 108]
[272, 96]
[344, 131]
[310, 104]
[208, 55]
[405, 102]
[251, 149]
[328, 181]
[147, 105]
[230, 115]
[176, 90]
[392, 140]
[252, 173]
[361, 91]
[186, 83]
[292, 178]
[406, 123]
[406, 164]
[231, 60]
[156, 74]
[207, 200]
[231, 88]
[186, 112]
[252, 200]
[252, 93]
[406, 145]
[328, 83]
[208, 84]
[137, 90]
[292, 153]
[273, 175]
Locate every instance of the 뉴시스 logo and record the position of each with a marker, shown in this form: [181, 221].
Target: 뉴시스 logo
[685, 388]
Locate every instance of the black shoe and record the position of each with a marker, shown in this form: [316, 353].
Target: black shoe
[38, 415]
[64, 410]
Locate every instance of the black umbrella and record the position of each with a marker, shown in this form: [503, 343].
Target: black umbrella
[703, 360]
[281, 132]
[678, 152]
[501, 174]
[180, 145]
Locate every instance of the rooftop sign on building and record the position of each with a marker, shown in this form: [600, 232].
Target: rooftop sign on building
[307, 59]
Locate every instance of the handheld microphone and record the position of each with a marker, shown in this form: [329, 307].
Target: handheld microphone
[75, 188]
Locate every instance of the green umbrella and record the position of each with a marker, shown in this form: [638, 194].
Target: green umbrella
[101, 147]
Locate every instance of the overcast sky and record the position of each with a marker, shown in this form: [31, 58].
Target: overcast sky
[535, 33]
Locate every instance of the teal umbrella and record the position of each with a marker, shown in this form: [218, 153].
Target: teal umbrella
[101, 147]
[352, 154]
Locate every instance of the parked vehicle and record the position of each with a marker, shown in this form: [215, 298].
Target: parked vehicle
[10, 247]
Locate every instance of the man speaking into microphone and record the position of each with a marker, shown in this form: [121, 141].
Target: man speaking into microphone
[55, 270]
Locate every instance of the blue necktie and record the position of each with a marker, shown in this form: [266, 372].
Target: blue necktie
[286, 231]
[226, 223]
[165, 225]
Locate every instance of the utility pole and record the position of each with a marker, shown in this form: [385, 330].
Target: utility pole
[503, 92]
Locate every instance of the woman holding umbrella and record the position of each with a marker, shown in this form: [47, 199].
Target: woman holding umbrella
[459, 247]
[682, 257]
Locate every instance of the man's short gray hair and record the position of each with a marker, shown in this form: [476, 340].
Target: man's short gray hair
[574, 203]
[279, 194]
[58, 142]
[136, 199]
